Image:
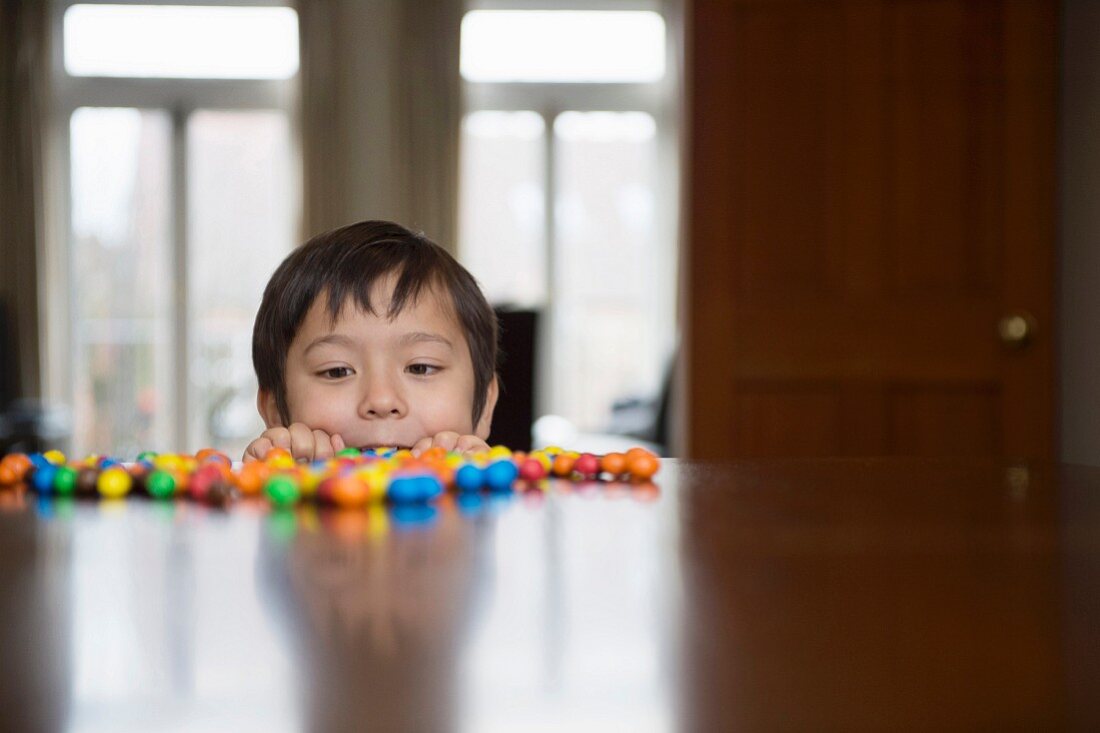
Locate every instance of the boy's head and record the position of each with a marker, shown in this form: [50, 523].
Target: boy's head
[377, 334]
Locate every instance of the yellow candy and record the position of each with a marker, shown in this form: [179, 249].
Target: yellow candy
[375, 477]
[499, 451]
[308, 481]
[282, 462]
[114, 483]
[55, 457]
[544, 459]
[168, 462]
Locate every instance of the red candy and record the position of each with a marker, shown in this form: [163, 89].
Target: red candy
[532, 470]
[587, 465]
[202, 479]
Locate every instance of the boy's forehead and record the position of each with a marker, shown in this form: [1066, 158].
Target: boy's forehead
[431, 306]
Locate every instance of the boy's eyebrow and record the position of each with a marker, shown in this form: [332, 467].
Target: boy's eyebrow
[332, 338]
[415, 337]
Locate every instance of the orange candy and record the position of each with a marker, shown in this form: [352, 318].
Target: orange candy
[348, 491]
[613, 463]
[7, 475]
[19, 463]
[251, 477]
[642, 465]
[445, 473]
[183, 480]
[435, 453]
[562, 465]
[207, 454]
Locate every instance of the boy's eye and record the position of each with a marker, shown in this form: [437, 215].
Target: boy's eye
[336, 372]
[422, 370]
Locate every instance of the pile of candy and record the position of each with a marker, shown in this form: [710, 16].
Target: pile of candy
[353, 478]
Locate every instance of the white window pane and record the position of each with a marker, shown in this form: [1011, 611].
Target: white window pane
[181, 42]
[243, 214]
[563, 46]
[608, 287]
[502, 205]
[121, 288]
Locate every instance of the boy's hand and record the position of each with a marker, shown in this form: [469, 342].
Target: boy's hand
[302, 442]
[451, 441]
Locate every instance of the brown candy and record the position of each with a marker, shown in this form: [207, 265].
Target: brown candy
[86, 482]
[220, 494]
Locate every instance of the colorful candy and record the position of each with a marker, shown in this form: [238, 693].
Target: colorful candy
[114, 483]
[587, 465]
[352, 479]
[161, 484]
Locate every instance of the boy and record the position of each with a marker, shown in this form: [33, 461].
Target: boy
[372, 335]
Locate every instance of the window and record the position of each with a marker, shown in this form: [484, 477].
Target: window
[569, 192]
[180, 197]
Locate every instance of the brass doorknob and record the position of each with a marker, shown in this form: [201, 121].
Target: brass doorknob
[1017, 329]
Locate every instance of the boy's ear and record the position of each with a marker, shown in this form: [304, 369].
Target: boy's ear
[269, 410]
[485, 422]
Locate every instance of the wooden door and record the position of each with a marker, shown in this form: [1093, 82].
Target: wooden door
[871, 189]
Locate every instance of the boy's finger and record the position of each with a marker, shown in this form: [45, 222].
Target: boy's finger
[338, 443]
[257, 449]
[323, 446]
[471, 444]
[420, 446]
[301, 441]
[446, 440]
[279, 437]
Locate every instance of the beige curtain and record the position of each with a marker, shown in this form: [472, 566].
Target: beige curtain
[380, 113]
[24, 40]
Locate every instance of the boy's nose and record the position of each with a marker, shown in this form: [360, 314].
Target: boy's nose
[381, 400]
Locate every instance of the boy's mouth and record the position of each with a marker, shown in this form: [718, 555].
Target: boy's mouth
[376, 446]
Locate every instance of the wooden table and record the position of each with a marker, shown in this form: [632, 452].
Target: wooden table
[810, 595]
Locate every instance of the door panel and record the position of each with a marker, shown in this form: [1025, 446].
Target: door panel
[871, 190]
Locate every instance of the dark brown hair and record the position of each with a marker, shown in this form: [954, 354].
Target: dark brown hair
[344, 264]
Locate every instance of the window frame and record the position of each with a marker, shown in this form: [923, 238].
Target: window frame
[179, 98]
[661, 99]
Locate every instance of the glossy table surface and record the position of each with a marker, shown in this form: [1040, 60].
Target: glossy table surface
[800, 595]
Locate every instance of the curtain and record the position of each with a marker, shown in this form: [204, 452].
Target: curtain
[24, 70]
[380, 113]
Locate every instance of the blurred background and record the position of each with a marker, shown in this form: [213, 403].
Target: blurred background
[721, 227]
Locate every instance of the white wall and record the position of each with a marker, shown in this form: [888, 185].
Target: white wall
[1080, 236]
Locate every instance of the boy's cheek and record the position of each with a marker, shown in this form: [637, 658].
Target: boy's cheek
[319, 410]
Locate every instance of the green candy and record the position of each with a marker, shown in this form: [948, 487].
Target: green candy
[348, 453]
[64, 481]
[282, 490]
[160, 484]
[146, 455]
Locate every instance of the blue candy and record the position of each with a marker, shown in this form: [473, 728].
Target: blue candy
[43, 478]
[500, 476]
[469, 478]
[414, 488]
